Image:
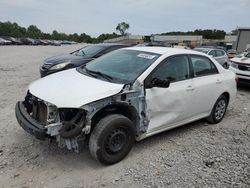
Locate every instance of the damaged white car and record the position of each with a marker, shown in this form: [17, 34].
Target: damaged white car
[126, 95]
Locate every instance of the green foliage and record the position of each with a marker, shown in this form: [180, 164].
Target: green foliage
[14, 30]
[122, 27]
[207, 33]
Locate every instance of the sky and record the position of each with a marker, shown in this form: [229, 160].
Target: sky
[145, 17]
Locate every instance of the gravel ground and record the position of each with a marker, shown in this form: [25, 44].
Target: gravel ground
[194, 155]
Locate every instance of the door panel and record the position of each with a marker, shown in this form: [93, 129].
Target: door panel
[207, 90]
[207, 84]
[166, 106]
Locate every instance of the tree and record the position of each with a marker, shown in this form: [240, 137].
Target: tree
[34, 32]
[122, 27]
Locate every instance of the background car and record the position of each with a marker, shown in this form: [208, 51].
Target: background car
[13, 40]
[240, 65]
[77, 58]
[4, 42]
[26, 41]
[218, 54]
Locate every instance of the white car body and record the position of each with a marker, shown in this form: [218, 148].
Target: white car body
[157, 109]
[240, 65]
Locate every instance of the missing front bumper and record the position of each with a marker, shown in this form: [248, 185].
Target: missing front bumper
[29, 124]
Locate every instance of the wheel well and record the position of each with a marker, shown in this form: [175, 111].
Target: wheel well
[128, 111]
[226, 94]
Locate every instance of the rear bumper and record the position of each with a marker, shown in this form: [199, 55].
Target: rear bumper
[29, 124]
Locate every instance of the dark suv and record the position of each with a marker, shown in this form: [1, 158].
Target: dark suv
[77, 58]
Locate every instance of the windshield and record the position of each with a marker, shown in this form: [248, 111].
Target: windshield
[88, 51]
[202, 50]
[121, 66]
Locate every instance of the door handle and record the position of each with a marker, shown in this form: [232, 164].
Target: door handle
[218, 81]
[190, 88]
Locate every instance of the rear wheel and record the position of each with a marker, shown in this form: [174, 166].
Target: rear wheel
[219, 110]
[112, 139]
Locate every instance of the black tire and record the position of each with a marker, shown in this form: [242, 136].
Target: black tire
[219, 110]
[112, 139]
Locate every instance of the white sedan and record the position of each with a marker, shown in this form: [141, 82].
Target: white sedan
[126, 95]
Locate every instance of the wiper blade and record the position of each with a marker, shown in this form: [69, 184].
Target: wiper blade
[107, 77]
[89, 72]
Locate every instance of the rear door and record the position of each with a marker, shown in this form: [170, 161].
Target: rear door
[168, 106]
[207, 83]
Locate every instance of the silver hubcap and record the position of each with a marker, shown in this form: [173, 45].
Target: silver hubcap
[220, 109]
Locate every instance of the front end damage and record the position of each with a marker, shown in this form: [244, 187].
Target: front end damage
[45, 120]
[70, 127]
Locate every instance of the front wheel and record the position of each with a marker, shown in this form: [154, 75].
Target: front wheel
[112, 139]
[219, 110]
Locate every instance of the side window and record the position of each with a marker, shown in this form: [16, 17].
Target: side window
[175, 69]
[220, 53]
[212, 53]
[202, 66]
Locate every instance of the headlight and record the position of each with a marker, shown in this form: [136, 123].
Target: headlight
[59, 66]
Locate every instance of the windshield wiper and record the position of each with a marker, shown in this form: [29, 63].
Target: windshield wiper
[89, 72]
[107, 77]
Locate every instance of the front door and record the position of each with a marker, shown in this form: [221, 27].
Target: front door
[168, 106]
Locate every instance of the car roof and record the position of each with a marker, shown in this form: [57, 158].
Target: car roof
[164, 50]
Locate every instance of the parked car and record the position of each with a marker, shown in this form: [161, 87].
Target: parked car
[240, 65]
[43, 42]
[77, 58]
[26, 41]
[13, 40]
[231, 53]
[126, 95]
[4, 42]
[218, 54]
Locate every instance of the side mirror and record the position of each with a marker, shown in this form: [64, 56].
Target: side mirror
[162, 83]
[210, 55]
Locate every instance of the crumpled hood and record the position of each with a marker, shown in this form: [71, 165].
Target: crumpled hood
[71, 89]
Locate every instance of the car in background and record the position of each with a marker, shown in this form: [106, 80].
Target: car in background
[231, 53]
[240, 65]
[5, 42]
[77, 58]
[126, 95]
[26, 41]
[13, 40]
[218, 54]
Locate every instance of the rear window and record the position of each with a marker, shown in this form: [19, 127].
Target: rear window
[202, 66]
[220, 53]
